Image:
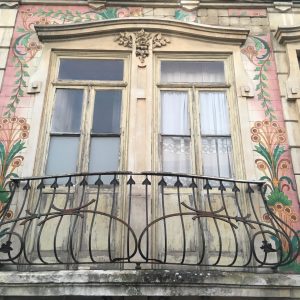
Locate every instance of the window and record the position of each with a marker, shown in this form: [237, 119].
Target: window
[86, 117]
[194, 126]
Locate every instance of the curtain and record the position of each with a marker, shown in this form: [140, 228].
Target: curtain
[192, 71]
[215, 131]
[176, 151]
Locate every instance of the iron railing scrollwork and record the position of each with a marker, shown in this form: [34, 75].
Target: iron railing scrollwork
[146, 219]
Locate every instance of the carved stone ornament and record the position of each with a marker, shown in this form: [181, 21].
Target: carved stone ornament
[143, 42]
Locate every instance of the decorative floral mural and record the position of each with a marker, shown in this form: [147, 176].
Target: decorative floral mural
[269, 137]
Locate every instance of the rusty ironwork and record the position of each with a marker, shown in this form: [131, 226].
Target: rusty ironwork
[146, 219]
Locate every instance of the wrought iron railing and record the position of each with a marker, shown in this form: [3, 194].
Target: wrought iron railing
[126, 220]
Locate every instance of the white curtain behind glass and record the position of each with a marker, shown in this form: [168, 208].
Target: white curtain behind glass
[176, 147]
[215, 132]
[191, 71]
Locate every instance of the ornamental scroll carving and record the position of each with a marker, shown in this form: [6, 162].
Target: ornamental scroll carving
[143, 42]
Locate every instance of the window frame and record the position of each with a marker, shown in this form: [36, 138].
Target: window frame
[194, 113]
[89, 87]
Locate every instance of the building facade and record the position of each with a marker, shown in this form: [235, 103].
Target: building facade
[149, 149]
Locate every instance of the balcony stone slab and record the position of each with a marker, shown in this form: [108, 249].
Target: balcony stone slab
[150, 283]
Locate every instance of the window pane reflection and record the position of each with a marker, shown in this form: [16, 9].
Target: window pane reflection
[67, 111]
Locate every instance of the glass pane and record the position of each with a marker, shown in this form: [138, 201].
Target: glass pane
[174, 113]
[192, 71]
[217, 156]
[91, 69]
[214, 113]
[107, 112]
[63, 155]
[176, 154]
[67, 110]
[104, 154]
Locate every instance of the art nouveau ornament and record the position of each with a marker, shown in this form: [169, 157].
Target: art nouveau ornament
[143, 42]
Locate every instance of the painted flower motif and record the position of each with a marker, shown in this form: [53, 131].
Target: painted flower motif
[24, 135]
[21, 120]
[261, 166]
[255, 138]
[258, 124]
[266, 218]
[250, 52]
[135, 11]
[17, 162]
[279, 207]
[293, 218]
[9, 215]
[281, 139]
[25, 127]
[287, 210]
[13, 119]
[123, 12]
[254, 130]
[42, 21]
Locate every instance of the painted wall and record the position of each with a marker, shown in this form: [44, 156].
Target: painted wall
[270, 145]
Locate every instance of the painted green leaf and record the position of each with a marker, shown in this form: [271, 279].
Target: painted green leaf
[2, 153]
[261, 149]
[256, 77]
[278, 151]
[288, 180]
[4, 195]
[266, 93]
[3, 232]
[263, 76]
[278, 196]
[109, 13]
[264, 85]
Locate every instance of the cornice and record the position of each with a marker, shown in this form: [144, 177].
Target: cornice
[155, 4]
[216, 34]
[285, 35]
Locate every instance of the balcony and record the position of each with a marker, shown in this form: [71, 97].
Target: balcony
[124, 220]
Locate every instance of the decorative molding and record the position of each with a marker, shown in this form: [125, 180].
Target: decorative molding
[286, 34]
[190, 4]
[97, 4]
[213, 34]
[283, 6]
[143, 42]
[9, 4]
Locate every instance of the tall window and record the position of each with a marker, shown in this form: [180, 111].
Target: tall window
[86, 116]
[194, 125]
